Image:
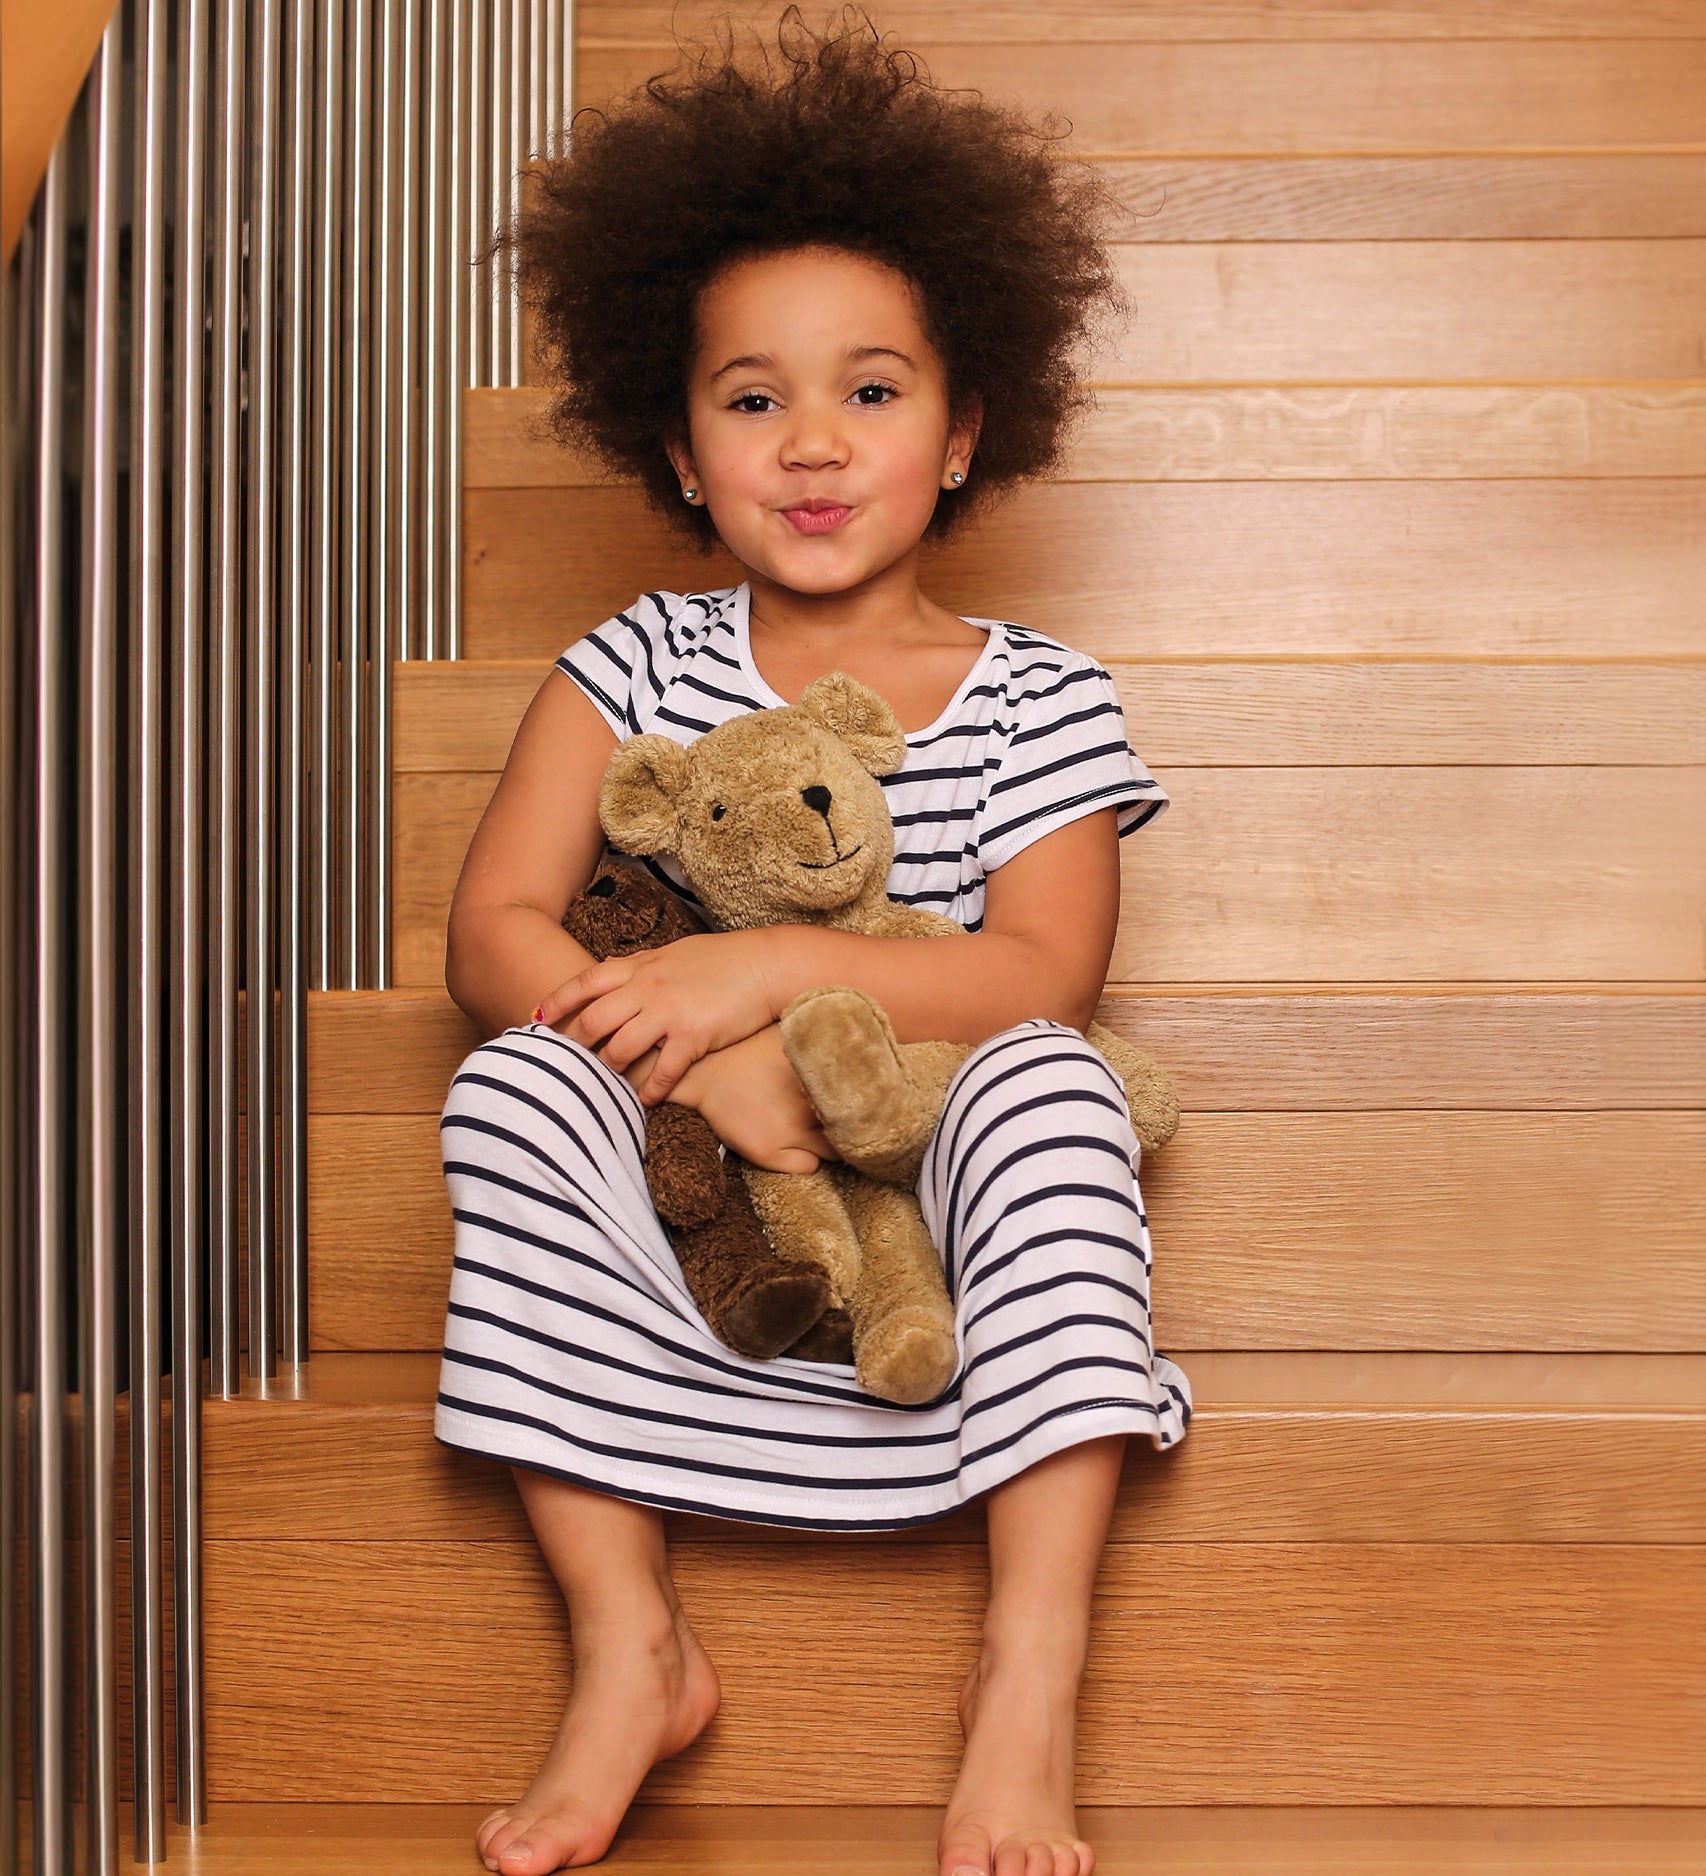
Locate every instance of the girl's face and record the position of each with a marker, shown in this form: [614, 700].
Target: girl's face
[814, 383]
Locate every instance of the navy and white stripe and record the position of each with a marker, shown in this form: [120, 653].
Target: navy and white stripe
[1033, 738]
[573, 1347]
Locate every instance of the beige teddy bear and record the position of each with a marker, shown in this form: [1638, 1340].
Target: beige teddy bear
[776, 817]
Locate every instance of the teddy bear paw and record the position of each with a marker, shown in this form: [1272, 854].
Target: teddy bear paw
[908, 1356]
[773, 1309]
[841, 1045]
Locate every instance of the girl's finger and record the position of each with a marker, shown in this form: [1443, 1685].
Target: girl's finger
[630, 1040]
[596, 981]
[674, 1060]
[602, 1017]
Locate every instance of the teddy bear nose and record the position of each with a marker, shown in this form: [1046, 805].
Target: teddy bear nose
[817, 797]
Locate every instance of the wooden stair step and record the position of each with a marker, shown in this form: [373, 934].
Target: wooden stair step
[1283, 1448]
[786, 1839]
[1379, 1555]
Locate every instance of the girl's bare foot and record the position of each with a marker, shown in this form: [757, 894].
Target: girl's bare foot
[1011, 1813]
[638, 1697]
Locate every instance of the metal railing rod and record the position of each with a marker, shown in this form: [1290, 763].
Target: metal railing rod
[48, 1226]
[518, 145]
[462, 303]
[501, 140]
[188, 1077]
[357, 443]
[325, 446]
[146, 1202]
[295, 580]
[100, 1233]
[225, 707]
[260, 747]
[435, 295]
[12, 951]
[383, 488]
[410, 151]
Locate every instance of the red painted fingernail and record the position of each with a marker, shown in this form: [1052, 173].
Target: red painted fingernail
[539, 1014]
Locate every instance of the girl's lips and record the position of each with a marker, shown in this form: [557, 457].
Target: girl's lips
[818, 521]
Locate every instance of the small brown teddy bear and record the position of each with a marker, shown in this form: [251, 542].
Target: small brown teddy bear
[754, 1302]
[775, 817]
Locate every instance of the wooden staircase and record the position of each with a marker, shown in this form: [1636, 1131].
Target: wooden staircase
[1389, 525]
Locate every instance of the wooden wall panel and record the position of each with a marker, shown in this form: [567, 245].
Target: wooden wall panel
[1288, 97]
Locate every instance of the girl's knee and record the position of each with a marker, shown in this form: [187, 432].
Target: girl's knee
[529, 1055]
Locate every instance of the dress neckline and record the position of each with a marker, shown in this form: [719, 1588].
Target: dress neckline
[740, 620]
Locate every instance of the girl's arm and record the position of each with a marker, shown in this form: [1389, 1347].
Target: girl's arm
[537, 845]
[1048, 933]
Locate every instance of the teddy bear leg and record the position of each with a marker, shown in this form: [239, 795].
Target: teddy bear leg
[1149, 1093]
[806, 1221]
[754, 1302]
[903, 1320]
[878, 1099]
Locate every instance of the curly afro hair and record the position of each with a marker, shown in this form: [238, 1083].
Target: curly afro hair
[851, 146]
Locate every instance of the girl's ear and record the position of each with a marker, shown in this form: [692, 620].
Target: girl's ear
[681, 461]
[636, 802]
[964, 431]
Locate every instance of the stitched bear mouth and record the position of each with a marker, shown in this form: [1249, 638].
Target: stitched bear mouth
[822, 866]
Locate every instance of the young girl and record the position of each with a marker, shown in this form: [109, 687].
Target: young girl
[822, 317]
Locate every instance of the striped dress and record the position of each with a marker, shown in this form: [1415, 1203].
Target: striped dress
[571, 1343]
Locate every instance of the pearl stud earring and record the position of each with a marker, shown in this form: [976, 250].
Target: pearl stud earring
[958, 477]
[689, 493]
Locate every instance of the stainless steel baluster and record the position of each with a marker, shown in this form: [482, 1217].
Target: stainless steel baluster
[11, 1106]
[48, 1226]
[225, 706]
[380, 616]
[188, 934]
[410, 151]
[148, 487]
[358, 242]
[436, 295]
[518, 114]
[260, 751]
[324, 873]
[462, 305]
[101, 1133]
[294, 583]
[497, 197]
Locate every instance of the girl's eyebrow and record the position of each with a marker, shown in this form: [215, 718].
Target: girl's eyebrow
[762, 359]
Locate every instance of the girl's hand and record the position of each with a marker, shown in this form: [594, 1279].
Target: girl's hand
[701, 993]
[753, 1100]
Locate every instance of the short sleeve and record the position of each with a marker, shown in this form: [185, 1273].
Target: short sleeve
[1066, 757]
[607, 662]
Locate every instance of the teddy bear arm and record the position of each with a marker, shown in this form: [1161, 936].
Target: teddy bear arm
[1150, 1096]
[684, 1170]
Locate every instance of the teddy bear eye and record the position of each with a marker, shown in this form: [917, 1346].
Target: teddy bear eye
[716, 811]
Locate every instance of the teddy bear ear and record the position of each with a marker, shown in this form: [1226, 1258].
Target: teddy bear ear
[636, 801]
[862, 719]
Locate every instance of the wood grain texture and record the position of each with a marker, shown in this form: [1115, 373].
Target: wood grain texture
[782, 1840]
[1539, 568]
[1304, 874]
[1232, 1048]
[997, 22]
[1245, 433]
[1413, 313]
[1283, 1448]
[1357, 1230]
[1282, 96]
[1546, 1671]
[1191, 713]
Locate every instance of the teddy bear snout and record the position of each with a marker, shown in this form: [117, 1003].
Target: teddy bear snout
[817, 798]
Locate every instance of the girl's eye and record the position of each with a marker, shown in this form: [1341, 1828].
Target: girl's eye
[716, 811]
[748, 398]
